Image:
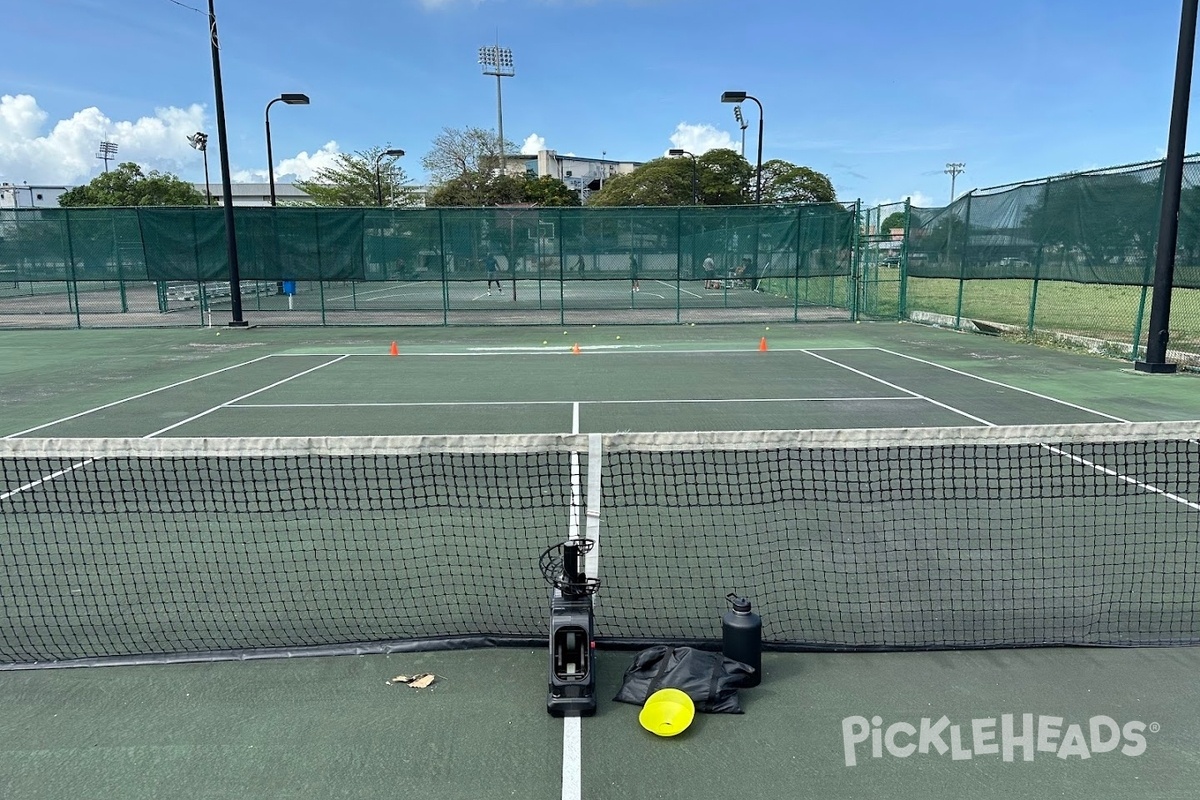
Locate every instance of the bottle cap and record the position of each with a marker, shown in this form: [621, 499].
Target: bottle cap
[740, 604]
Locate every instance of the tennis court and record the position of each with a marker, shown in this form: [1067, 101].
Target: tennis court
[330, 726]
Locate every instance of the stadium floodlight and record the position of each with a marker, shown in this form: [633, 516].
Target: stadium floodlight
[199, 141]
[389, 153]
[741, 97]
[291, 99]
[741, 121]
[678, 152]
[108, 151]
[498, 61]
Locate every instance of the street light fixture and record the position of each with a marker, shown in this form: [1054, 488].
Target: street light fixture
[199, 141]
[741, 121]
[291, 99]
[741, 97]
[678, 152]
[392, 153]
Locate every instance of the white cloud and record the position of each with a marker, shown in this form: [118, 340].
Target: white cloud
[300, 167]
[67, 152]
[699, 139]
[918, 199]
[532, 144]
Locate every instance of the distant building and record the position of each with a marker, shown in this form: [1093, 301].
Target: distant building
[23, 195]
[584, 175]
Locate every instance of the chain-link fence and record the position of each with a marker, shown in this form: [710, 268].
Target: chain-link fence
[314, 266]
[1068, 258]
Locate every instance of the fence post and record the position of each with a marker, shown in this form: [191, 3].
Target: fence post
[72, 285]
[855, 260]
[1147, 280]
[962, 267]
[1037, 268]
[678, 264]
[120, 268]
[801, 250]
[562, 271]
[442, 260]
[902, 294]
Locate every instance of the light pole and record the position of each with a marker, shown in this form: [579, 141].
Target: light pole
[235, 275]
[954, 169]
[291, 100]
[199, 140]
[678, 152]
[741, 97]
[1159, 334]
[498, 61]
[394, 153]
[741, 121]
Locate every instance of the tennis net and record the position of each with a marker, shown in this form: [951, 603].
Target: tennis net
[163, 549]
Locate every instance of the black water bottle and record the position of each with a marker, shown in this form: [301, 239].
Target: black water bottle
[741, 636]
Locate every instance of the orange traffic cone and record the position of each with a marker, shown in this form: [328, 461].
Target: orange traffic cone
[395, 350]
[762, 345]
[575, 350]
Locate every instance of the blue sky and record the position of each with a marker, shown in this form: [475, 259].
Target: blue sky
[877, 95]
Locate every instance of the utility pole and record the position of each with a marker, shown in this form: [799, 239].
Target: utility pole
[954, 169]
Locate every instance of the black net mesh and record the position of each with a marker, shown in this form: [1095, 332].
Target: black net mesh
[888, 539]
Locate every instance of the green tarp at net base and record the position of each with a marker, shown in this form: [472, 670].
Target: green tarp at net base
[323, 244]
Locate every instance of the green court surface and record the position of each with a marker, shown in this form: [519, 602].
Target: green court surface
[331, 727]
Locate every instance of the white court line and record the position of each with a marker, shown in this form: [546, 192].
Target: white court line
[1124, 478]
[391, 288]
[681, 289]
[656, 401]
[606, 349]
[891, 385]
[44, 478]
[1057, 451]
[1005, 385]
[195, 417]
[134, 397]
[572, 765]
[576, 494]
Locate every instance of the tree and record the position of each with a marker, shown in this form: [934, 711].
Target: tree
[360, 179]
[548, 191]
[661, 182]
[723, 178]
[784, 182]
[893, 221]
[127, 185]
[464, 170]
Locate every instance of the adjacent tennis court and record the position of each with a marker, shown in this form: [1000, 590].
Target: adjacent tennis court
[858, 527]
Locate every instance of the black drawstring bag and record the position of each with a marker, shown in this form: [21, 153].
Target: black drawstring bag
[710, 679]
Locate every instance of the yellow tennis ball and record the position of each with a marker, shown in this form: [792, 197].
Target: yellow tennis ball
[545, 342]
[618, 337]
[768, 327]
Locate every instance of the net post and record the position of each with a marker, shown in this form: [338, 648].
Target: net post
[902, 293]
